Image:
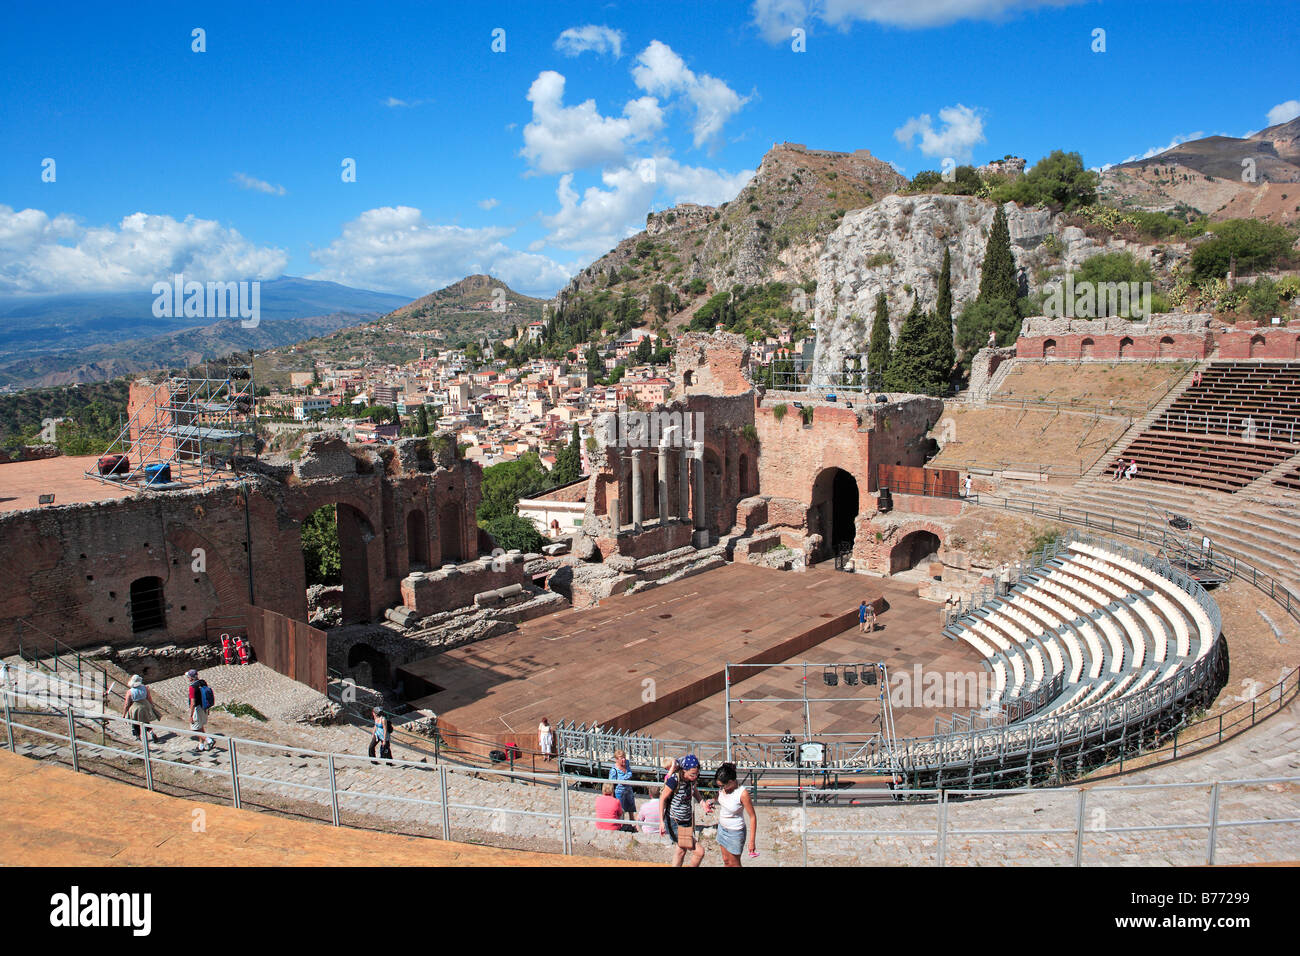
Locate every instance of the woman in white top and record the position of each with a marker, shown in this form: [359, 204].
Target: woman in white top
[737, 821]
[546, 739]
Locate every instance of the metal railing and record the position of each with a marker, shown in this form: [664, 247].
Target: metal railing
[144, 764]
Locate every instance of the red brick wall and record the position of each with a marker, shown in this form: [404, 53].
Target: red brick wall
[1251, 341]
[1071, 346]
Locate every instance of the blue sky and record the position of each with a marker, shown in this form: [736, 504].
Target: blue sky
[531, 162]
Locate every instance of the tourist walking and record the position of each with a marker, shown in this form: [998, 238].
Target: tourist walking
[862, 617]
[138, 705]
[546, 739]
[737, 819]
[381, 736]
[201, 698]
[619, 772]
[968, 486]
[677, 811]
[871, 618]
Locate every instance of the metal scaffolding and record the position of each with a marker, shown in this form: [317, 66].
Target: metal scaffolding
[185, 433]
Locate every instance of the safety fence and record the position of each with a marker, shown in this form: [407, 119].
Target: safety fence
[446, 801]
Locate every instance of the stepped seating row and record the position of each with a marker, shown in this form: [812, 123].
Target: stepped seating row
[1289, 480]
[1107, 625]
[1239, 423]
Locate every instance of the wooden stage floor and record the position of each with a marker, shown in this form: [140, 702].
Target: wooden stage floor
[595, 664]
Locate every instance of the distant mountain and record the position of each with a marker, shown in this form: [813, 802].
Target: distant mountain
[37, 324]
[178, 349]
[773, 230]
[475, 309]
[1207, 175]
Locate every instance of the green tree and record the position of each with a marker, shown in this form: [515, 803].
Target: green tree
[320, 547]
[1058, 179]
[505, 483]
[996, 308]
[878, 350]
[421, 421]
[998, 282]
[644, 350]
[1253, 243]
[914, 363]
[568, 463]
[511, 532]
[943, 305]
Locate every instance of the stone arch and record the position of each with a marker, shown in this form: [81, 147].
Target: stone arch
[451, 518]
[914, 547]
[1166, 348]
[148, 606]
[687, 378]
[417, 538]
[714, 485]
[1049, 348]
[834, 509]
[381, 671]
[1086, 348]
[1257, 345]
[355, 533]
[230, 591]
[1125, 347]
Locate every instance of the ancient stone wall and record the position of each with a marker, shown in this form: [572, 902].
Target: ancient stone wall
[69, 569]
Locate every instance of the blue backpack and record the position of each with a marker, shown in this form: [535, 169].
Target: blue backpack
[206, 697]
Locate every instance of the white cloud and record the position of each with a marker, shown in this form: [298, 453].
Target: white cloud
[563, 138]
[393, 103]
[1284, 112]
[1157, 150]
[599, 218]
[962, 128]
[488, 203]
[395, 249]
[661, 72]
[258, 185]
[40, 254]
[775, 18]
[590, 38]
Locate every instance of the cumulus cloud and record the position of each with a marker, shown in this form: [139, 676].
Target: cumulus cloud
[258, 185]
[775, 18]
[488, 203]
[44, 254]
[1284, 112]
[395, 249]
[598, 218]
[590, 38]
[661, 72]
[962, 128]
[560, 138]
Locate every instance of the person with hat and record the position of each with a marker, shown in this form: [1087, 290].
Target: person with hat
[138, 705]
[198, 713]
[677, 810]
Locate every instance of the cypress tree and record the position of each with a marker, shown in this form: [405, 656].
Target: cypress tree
[878, 350]
[998, 281]
[944, 304]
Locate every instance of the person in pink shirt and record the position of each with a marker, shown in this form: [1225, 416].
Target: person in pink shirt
[608, 809]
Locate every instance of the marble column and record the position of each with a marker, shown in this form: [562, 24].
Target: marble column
[663, 482]
[637, 494]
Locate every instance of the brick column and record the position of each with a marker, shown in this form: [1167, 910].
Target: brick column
[663, 481]
[701, 518]
[684, 486]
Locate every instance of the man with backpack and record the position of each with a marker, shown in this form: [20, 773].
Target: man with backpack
[201, 701]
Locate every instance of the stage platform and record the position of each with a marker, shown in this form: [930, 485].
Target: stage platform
[23, 482]
[637, 660]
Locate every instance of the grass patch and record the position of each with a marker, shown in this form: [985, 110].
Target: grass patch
[236, 709]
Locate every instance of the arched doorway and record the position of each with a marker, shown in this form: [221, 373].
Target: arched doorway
[835, 509]
[449, 532]
[380, 671]
[335, 544]
[148, 608]
[1256, 345]
[1166, 346]
[1049, 349]
[417, 540]
[1125, 347]
[912, 549]
[1086, 347]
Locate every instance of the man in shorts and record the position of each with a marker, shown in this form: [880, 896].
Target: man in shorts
[198, 716]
